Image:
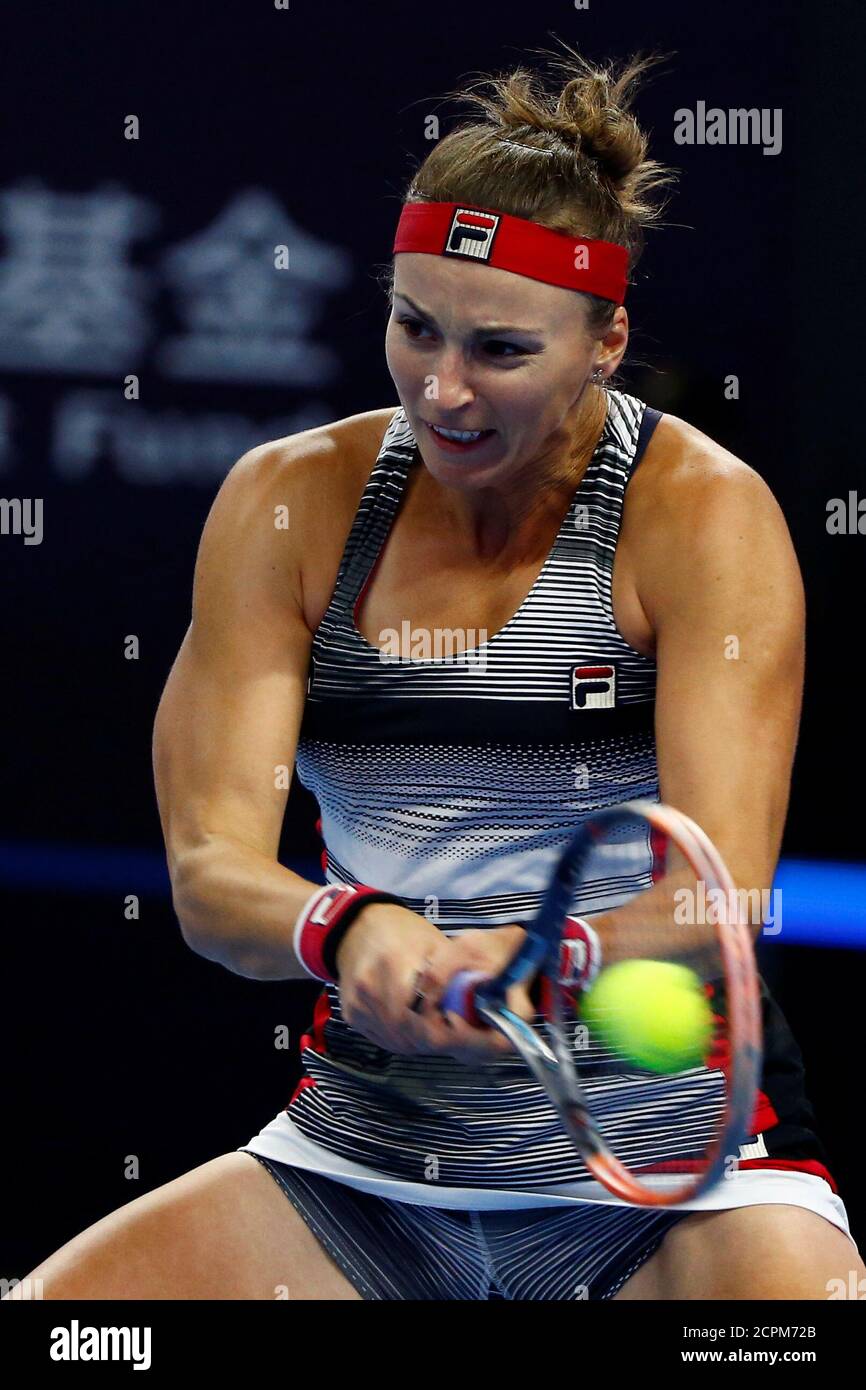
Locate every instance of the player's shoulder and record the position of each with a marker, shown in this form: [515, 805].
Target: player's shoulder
[342, 440]
[704, 522]
[285, 507]
[685, 474]
[309, 481]
[328, 455]
[315, 477]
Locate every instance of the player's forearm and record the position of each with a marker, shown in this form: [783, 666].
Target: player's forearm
[671, 918]
[238, 906]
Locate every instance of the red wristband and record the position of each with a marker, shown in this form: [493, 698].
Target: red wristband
[323, 921]
[579, 962]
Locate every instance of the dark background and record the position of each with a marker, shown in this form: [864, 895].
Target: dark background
[118, 1040]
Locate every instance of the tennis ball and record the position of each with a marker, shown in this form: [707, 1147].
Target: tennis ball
[654, 1012]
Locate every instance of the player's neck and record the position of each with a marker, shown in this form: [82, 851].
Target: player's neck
[512, 523]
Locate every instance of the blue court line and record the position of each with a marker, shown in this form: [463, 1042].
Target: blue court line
[822, 903]
[81, 869]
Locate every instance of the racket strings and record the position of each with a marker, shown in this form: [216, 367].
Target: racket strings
[655, 1089]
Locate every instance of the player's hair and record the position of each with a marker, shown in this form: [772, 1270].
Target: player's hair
[572, 158]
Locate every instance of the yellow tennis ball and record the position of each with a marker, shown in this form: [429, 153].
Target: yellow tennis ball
[654, 1012]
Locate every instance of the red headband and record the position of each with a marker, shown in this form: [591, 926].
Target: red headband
[513, 243]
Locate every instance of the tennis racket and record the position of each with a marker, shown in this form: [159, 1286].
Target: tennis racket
[655, 1128]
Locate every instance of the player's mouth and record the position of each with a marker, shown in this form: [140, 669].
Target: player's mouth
[458, 441]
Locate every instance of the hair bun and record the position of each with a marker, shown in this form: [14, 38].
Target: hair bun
[563, 151]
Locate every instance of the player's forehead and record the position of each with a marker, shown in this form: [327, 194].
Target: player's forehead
[456, 293]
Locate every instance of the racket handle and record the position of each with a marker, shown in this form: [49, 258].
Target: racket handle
[459, 995]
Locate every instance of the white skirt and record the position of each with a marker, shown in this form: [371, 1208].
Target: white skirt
[282, 1142]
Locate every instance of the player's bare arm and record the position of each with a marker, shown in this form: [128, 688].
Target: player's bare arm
[719, 581]
[226, 735]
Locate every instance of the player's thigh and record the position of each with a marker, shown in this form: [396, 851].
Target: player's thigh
[763, 1252]
[224, 1230]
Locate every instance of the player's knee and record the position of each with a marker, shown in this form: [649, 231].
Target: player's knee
[148, 1248]
[761, 1252]
[106, 1260]
[224, 1230]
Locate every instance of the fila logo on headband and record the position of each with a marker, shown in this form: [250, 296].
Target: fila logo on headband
[471, 234]
[593, 687]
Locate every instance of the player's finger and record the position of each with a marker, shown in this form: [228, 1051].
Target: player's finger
[439, 967]
[429, 1031]
[520, 1002]
[476, 1041]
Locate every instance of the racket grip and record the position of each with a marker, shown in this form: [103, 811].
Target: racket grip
[459, 995]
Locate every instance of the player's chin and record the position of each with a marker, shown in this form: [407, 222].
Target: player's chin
[467, 470]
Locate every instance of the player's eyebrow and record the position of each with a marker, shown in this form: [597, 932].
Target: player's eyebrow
[484, 328]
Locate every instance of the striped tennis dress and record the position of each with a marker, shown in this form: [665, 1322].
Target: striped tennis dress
[454, 782]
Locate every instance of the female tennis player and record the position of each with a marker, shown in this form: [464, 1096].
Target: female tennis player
[519, 596]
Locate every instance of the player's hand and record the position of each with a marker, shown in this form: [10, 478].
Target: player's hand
[488, 952]
[380, 962]
[390, 954]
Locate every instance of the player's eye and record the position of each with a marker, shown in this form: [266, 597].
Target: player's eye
[410, 324]
[511, 349]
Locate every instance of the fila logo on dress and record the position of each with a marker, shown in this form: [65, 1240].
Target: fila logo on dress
[593, 687]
